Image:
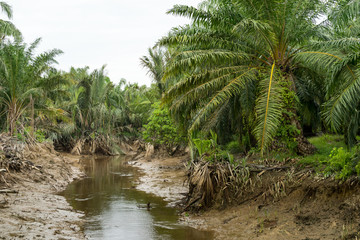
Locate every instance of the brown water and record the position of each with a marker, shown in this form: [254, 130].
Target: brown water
[114, 209]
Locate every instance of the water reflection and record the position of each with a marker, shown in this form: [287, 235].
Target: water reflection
[114, 209]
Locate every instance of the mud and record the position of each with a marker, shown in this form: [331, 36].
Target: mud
[310, 208]
[327, 214]
[163, 176]
[35, 211]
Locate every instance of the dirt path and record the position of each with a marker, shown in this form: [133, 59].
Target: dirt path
[35, 211]
[310, 208]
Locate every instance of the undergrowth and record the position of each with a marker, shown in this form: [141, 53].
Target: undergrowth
[333, 158]
[324, 145]
[216, 176]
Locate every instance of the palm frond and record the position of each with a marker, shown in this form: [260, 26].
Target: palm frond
[344, 102]
[7, 9]
[232, 88]
[268, 110]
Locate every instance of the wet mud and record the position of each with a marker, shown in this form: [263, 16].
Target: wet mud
[29, 205]
[308, 208]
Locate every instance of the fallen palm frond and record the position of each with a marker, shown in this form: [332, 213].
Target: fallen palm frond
[102, 144]
[216, 182]
[222, 183]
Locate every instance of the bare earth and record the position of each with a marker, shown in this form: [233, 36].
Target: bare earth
[311, 209]
[308, 207]
[36, 212]
[163, 176]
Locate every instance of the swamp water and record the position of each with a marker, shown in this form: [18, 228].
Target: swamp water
[114, 209]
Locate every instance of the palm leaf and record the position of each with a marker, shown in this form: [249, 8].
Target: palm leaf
[268, 110]
[231, 89]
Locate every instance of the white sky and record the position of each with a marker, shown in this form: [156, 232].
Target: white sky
[96, 32]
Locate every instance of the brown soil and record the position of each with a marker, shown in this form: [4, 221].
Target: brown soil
[306, 207]
[315, 210]
[35, 211]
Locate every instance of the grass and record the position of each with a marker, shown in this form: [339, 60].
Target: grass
[324, 144]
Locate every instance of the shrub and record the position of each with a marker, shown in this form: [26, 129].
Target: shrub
[161, 129]
[343, 163]
[209, 150]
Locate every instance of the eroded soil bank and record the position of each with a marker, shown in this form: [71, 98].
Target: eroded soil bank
[29, 206]
[288, 204]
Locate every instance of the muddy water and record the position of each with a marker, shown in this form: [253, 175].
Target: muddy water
[114, 209]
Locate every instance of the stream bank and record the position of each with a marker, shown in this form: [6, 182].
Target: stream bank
[292, 204]
[31, 177]
[285, 204]
[163, 176]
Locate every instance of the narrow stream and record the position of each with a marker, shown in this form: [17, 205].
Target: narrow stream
[114, 209]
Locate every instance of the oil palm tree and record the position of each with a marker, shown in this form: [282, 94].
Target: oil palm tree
[87, 102]
[155, 64]
[234, 49]
[337, 59]
[21, 74]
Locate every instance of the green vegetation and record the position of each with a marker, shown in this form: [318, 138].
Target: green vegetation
[243, 77]
[249, 65]
[255, 71]
[324, 145]
[161, 130]
[208, 150]
[332, 158]
[341, 163]
[234, 147]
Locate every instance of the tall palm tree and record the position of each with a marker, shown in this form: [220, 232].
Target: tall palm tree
[237, 49]
[21, 74]
[337, 58]
[155, 63]
[87, 102]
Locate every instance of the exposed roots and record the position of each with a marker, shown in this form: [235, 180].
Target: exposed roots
[16, 157]
[100, 144]
[211, 183]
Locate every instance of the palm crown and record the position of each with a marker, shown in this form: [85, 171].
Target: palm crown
[244, 50]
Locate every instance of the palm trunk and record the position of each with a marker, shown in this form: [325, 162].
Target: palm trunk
[12, 116]
[32, 124]
[11, 122]
[304, 147]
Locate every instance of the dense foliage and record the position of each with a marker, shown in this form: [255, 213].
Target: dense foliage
[259, 74]
[247, 52]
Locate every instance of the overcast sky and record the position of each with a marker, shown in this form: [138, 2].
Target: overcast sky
[96, 32]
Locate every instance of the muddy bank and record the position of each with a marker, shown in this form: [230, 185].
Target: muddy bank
[163, 176]
[313, 211]
[291, 204]
[33, 210]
